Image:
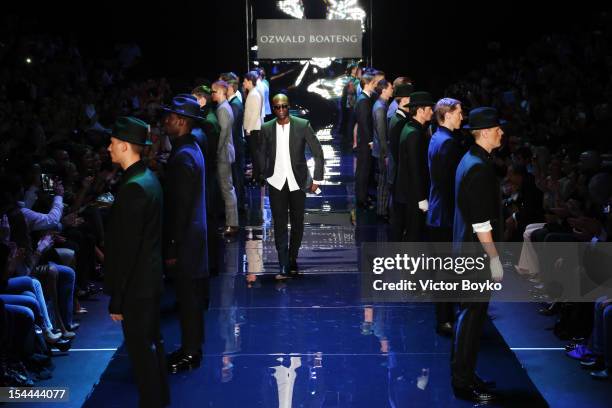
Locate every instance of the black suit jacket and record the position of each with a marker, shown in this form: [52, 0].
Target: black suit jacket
[412, 173]
[300, 134]
[185, 225]
[133, 255]
[237, 132]
[363, 114]
[477, 197]
[396, 124]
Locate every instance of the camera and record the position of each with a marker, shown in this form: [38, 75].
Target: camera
[47, 183]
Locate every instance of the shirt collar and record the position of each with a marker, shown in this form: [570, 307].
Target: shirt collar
[401, 112]
[445, 129]
[134, 169]
[283, 126]
[182, 140]
[416, 123]
[479, 151]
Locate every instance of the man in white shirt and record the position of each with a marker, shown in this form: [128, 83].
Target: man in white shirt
[284, 144]
[264, 88]
[253, 120]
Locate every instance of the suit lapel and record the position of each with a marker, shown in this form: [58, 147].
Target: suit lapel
[271, 130]
[291, 138]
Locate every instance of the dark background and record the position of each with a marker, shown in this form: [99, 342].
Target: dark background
[431, 42]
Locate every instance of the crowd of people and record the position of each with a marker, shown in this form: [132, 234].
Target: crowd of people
[58, 181]
[555, 165]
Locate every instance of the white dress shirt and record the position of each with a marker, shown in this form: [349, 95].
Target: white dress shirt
[282, 164]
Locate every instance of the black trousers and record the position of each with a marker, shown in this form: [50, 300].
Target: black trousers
[238, 172]
[362, 173]
[254, 141]
[466, 343]
[192, 296]
[287, 206]
[141, 329]
[407, 223]
[445, 311]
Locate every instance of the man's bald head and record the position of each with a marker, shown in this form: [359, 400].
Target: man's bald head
[280, 98]
[280, 106]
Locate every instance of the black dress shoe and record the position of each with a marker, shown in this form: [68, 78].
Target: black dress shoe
[230, 231]
[445, 329]
[593, 365]
[180, 361]
[62, 345]
[551, 310]
[600, 375]
[293, 269]
[283, 273]
[365, 205]
[474, 394]
[483, 384]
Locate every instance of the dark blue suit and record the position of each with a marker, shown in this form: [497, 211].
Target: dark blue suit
[443, 156]
[478, 200]
[478, 197]
[185, 237]
[363, 114]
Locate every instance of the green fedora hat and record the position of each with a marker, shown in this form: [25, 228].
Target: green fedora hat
[132, 130]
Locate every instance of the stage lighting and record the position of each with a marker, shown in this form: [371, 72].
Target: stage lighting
[294, 8]
[28, 60]
[346, 10]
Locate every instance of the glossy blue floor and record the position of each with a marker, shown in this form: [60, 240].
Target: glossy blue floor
[310, 341]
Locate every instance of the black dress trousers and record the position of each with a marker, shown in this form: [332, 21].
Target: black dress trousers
[445, 311]
[141, 329]
[254, 141]
[287, 206]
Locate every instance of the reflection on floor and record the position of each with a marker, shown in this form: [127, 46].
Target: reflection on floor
[311, 341]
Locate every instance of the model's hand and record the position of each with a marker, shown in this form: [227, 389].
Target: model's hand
[116, 317]
[314, 187]
[424, 205]
[497, 270]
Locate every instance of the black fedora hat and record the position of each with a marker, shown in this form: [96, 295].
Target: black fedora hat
[421, 98]
[131, 130]
[185, 106]
[402, 90]
[483, 118]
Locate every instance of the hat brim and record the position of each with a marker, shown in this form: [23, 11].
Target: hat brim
[426, 103]
[168, 109]
[500, 123]
[149, 142]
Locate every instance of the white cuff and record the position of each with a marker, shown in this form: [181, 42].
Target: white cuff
[423, 205]
[317, 182]
[482, 227]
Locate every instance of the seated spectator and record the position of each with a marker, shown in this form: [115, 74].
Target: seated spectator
[524, 206]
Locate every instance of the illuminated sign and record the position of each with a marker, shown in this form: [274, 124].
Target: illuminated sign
[288, 39]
